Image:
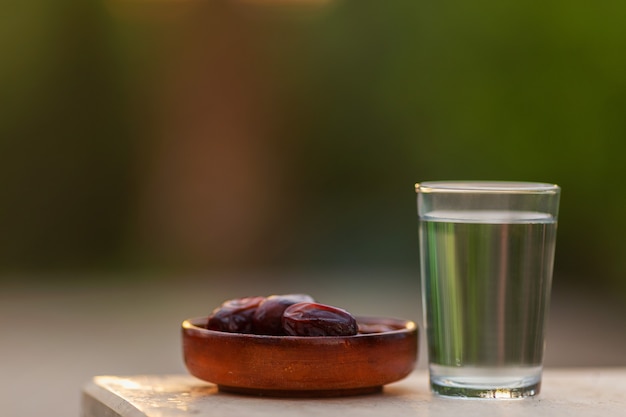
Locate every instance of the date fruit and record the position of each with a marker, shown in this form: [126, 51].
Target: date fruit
[313, 319]
[234, 316]
[267, 319]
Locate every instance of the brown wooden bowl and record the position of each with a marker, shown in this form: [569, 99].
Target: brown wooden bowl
[302, 366]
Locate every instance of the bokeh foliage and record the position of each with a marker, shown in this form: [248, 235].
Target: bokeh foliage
[368, 97]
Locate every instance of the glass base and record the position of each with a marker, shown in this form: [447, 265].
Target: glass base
[489, 383]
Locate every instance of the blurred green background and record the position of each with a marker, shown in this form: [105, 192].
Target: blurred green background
[155, 137]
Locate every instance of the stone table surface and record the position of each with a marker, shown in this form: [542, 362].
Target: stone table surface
[565, 392]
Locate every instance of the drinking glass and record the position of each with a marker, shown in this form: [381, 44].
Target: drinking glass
[486, 259]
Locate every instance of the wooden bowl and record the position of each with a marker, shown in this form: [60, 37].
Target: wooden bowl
[302, 366]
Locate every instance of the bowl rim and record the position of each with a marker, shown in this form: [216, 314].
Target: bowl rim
[407, 326]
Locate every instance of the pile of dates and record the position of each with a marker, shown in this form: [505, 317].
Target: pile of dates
[282, 315]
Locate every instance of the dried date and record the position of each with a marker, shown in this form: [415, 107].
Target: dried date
[267, 319]
[314, 319]
[234, 316]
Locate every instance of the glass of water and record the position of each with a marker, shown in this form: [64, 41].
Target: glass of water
[486, 254]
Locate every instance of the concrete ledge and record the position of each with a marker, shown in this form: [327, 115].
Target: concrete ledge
[565, 392]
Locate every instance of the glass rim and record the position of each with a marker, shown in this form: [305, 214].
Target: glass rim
[501, 187]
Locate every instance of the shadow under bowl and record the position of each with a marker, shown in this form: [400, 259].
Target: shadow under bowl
[295, 366]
